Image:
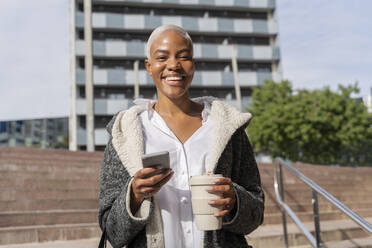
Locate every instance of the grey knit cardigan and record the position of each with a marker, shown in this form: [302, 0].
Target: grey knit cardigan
[231, 155]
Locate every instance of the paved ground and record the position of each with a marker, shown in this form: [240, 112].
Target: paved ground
[82, 243]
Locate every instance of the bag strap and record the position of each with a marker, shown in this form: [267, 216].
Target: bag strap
[103, 241]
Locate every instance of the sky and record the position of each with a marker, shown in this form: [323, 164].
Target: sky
[323, 43]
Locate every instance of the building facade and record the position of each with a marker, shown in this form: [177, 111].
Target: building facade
[367, 100]
[44, 133]
[119, 31]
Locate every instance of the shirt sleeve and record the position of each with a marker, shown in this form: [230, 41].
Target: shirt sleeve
[115, 216]
[248, 212]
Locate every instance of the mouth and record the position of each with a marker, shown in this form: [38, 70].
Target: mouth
[174, 80]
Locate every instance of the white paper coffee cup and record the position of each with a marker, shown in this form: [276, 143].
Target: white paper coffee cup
[203, 212]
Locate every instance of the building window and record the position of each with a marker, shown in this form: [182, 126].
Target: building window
[19, 125]
[82, 123]
[3, 127]
[101, 121]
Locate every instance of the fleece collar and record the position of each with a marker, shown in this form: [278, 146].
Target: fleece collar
[127, 137]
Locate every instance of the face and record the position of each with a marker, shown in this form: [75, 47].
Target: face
[171, 65]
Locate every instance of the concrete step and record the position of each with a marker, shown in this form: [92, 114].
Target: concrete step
[45, 161]
[331, 231]
[353, 195]
[83, 176]
[347, 195]
[48, 165]
[269, 183]
[329, 186]
[45, 233]
[301, 197]
[48, 184]
[31, 171]
[48, 217]
[57, 174]
[47, 204]
[324, 206]
[308, 216]
[80, 243]
[29, 152]
[325, 172]
[352, 243]
[62, 194]
[291, 179]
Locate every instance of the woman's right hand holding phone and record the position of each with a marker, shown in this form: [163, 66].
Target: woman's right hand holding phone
[145, 184]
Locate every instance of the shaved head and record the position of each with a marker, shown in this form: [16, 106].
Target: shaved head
[159, 30]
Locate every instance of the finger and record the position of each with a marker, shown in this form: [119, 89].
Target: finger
[147, 191]
[223, 180]
[152, 181]
[143, 173]
[162, 182]
[220, 202]
[220, 189]
[221, 213]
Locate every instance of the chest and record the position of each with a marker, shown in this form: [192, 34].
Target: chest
[183, 127]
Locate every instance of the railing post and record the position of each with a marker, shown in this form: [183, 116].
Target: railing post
[316, 219]
[281, 192]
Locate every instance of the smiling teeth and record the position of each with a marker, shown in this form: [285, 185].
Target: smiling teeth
[174, 78]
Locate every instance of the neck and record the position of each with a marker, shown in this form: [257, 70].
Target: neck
[171, 107]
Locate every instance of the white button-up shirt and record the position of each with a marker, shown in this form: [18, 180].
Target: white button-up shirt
[186, 160]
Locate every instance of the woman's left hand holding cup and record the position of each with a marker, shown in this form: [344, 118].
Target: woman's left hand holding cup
[223, 187]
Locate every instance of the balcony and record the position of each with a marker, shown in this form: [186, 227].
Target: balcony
[123, 77]
[101, 137]
[120, 49]
[191, 24]
[255, 4]
[4, 137]
[103, 106]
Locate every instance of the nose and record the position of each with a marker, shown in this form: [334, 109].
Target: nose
[173, 64]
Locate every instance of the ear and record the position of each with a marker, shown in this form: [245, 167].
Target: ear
[148, 67]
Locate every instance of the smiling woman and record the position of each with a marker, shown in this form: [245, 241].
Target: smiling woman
[151, 207]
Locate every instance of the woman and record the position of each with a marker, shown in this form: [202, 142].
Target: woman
[202, 135]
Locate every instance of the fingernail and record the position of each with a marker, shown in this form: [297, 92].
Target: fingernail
[216, 215]
[217, 180]
[209, 188]
[211, 202]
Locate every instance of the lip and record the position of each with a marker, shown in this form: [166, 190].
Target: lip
[174, 82]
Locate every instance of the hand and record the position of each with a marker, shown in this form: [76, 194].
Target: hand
[225, 188]
[145, 185]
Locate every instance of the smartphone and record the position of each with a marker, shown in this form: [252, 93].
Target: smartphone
[160, 159]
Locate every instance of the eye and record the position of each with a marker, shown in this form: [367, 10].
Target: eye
[185, 57]
[161, 58]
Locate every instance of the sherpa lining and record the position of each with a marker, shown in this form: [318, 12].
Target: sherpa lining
[144, 210]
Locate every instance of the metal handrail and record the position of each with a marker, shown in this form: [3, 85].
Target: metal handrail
[316, 189]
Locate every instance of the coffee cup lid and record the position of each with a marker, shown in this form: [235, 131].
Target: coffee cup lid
[204, 179]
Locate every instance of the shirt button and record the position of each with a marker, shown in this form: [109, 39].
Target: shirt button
[188, 231]
[184, 200]
[182, 172]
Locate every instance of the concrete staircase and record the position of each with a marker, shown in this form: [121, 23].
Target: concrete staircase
[352, 186]
[48, 198]
[48, 195]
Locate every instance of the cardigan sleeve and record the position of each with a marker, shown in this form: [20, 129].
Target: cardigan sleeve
[115, 217]
[248, 213]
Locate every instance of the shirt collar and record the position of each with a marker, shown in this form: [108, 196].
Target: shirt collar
[148, 104]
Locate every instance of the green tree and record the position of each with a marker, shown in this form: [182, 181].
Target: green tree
[62, 144]
[318, 126]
